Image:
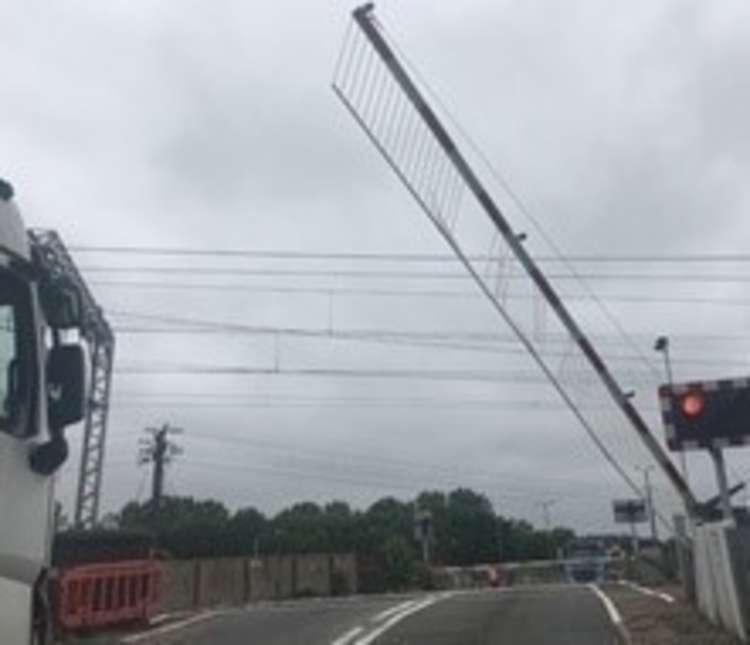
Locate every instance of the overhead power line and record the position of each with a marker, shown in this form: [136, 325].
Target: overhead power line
[341, 459]
[244, 399]
[291, 254]
[186, 402]
[244, 395]
[472, 341]
[405, 342]
[411, 275]
[242, 370]
[373, 481]
[328, 461]
[517, 377]
[483, 339]
[398, 293]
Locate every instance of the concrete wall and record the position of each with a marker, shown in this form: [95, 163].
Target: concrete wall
[344, 574]
[179, 584]
[262, 583]
[221, 581]
[271, 578]
[189, 584]
[312, 575]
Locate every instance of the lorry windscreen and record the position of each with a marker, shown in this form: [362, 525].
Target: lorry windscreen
[17, 356]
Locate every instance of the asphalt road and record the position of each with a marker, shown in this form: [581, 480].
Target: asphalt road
[549, 615]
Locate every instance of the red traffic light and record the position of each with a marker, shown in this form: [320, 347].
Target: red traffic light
[692, 404]
[704, 414]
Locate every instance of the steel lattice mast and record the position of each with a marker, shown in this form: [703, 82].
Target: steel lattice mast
[53, 257]
[387, 104]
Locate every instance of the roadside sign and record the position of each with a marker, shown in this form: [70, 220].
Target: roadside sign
[423, 531]
[629, 511]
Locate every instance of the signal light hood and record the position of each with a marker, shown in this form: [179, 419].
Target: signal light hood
[6, 190]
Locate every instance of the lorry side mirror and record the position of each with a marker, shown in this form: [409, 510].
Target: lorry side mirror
[46, 458]
[66, 386]
[66, 404]
[61, 304]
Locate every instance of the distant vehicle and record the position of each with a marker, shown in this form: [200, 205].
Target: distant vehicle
[616, 552]
[42, 385]
[585, 561]
[498, 577]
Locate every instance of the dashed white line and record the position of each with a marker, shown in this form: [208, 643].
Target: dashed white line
[135, 638]
[396, 618]
[348, 637]
[392, 610]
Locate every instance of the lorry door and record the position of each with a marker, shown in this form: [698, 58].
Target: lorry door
[26, 498]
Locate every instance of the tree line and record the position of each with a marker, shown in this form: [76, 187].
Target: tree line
[466, 529]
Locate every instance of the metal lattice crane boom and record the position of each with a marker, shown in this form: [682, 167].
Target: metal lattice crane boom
[53, 258]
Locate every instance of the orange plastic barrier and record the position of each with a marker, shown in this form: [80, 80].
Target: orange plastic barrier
[108, 595]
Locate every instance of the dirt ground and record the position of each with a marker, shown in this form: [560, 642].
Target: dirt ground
[652, 621]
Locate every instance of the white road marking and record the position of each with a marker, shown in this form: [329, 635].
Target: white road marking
[345, 639]
[396, 618]
[136, 638]
[649, 592]
[392, 610]
[160, 618]
[614, 614]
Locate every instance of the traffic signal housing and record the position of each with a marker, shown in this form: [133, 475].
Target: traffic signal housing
[706, 414]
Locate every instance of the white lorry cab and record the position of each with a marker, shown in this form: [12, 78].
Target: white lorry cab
[41, 391]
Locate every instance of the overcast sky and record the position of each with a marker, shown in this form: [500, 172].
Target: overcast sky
[198, 125]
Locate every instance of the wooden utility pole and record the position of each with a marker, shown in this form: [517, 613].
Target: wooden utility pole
[159, 450]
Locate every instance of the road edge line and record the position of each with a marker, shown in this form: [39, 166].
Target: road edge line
[613, 613]
[649, 592]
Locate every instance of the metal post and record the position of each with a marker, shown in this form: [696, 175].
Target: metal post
[650, 500]
[634, 538]
[662, 345]
[721, 479]
[684, 556]
[423, 533]
[546, 504]
[546, 514]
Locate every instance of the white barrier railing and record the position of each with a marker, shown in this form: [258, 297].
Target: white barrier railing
[720, 576]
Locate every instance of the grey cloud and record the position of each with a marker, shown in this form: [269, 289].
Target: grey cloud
[188, 125]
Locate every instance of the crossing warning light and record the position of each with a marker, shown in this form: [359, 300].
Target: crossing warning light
[707, 414]
[692, 404]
